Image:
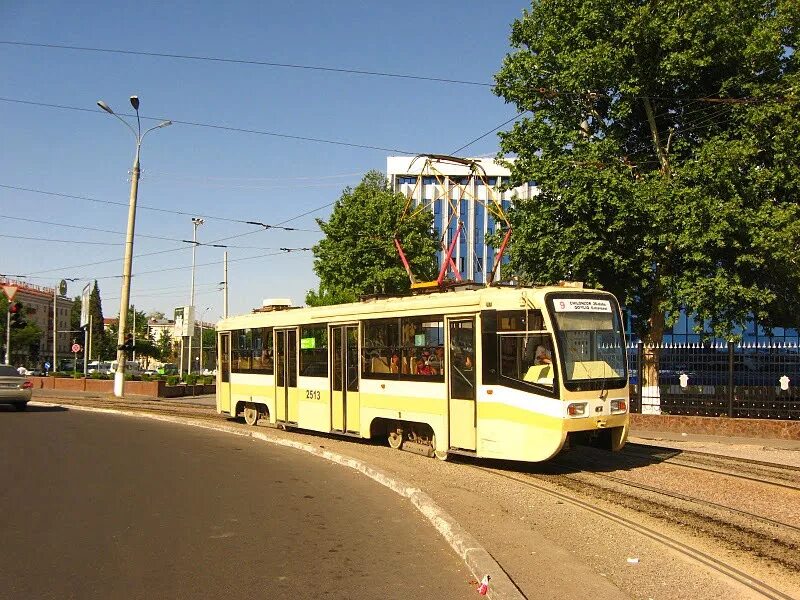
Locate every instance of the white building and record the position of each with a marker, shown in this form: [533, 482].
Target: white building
[453, 193]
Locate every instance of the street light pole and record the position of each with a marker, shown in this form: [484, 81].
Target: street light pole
[119, 375]
[196, 222]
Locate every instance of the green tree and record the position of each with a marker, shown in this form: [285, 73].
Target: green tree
[100, 344]
[357, 255]
[663, 139]
[166, 348]
[25, 342]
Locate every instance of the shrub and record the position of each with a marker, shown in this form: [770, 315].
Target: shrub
[172, 380]
[191, 379]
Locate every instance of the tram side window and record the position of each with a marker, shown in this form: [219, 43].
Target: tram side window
[314, 351]
[527, 358]
[422, 347]
[520, 320]
[241, 350]
[262, 348]
[381, 349]
[251, 351]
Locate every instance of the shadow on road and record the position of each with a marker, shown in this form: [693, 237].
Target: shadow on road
[32, 409]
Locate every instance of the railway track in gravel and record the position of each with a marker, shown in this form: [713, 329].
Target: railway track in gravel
[778, 475]
[763, 589]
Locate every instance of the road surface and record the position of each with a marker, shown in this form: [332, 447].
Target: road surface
[102, 506]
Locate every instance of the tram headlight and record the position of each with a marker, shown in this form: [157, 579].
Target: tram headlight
[576, 409]
[618, 406]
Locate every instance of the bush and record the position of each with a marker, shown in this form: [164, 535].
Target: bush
[97, 376]
[191, 379]
[172, 380]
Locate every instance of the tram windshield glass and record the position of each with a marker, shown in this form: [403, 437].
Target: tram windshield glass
[591, 342]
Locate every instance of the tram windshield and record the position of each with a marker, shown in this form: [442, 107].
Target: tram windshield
[591, 342]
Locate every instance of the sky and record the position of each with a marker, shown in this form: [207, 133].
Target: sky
[65, 167]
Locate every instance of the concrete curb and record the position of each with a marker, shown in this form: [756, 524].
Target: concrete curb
[477, 559]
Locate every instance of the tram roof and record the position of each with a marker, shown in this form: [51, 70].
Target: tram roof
[445, 302]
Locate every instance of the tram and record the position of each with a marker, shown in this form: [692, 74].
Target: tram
[510, 373]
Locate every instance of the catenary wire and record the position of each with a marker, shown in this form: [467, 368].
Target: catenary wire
[217, 127]
[260, 63]
[152, 208]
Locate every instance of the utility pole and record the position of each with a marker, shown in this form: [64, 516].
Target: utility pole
[8, 334]
[196, 222]
[225, 287]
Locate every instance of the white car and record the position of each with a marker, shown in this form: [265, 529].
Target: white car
[14, 388]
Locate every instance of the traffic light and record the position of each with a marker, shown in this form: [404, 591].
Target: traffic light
[17, 318]
[127, 345]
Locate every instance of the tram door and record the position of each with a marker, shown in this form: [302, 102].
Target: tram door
[224, 362]
[286, 395]
[345, 400]
[463, 412]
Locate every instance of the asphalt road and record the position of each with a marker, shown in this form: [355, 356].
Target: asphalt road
[102, 506]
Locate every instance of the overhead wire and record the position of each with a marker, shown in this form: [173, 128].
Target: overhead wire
[151, 208]
[217, 127]
[260, 63]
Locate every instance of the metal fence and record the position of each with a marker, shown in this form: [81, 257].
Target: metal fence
[756, 381]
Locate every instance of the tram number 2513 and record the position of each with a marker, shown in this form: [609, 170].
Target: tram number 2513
[313, 395]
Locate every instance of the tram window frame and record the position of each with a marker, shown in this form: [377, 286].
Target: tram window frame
[383, 338]
[245, 344]
[380, 340]
[411, 328]
[533, 339]
[493, 327]
[314, 361]
[515, 320]
[241, 350]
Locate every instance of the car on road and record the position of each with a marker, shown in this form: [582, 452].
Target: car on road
[14, 388]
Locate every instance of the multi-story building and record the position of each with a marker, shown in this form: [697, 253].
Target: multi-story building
[453, 193]
[37, 302]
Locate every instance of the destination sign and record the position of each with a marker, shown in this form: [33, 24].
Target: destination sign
[581, 305]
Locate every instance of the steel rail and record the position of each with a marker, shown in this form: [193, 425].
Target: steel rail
[730, 571]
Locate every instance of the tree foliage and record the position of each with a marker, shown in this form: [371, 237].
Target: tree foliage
[25, 342]
[663, 139]
[357, 255]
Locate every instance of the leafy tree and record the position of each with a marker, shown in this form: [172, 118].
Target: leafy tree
[100, 345]
[358, 255]
[25, 342]
[663, 139]
[166, 347]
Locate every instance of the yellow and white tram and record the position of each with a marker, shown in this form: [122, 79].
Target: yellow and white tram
[509, 373]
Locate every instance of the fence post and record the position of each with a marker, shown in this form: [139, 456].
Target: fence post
[639, 371]
[730, 378]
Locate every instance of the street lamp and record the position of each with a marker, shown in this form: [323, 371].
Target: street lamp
[196, 222]
[119, 376]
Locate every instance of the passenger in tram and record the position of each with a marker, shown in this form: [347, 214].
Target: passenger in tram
[542, 356]
[468, 362]
[424, 368]
[394, 365]
[436, 362]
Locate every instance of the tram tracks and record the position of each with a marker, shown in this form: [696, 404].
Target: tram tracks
[763, 589]
[783, 476]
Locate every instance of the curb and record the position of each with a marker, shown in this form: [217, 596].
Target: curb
[477, 559]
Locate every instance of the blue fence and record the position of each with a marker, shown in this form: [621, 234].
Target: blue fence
[756, 381]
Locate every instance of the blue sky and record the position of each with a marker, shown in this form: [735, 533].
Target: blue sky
[241, 176]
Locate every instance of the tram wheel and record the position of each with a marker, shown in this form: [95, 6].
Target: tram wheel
[250, 413]
[395, 436]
